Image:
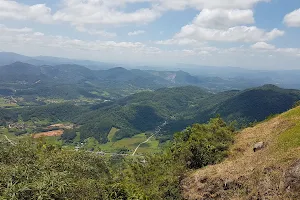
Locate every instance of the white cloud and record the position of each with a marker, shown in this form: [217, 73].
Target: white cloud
[263, 46]
[138, 32]
[289, 51]
[26, 36]
[222, 25]
[189, 52]
[220, 18]
[273, 49]
[293, 19]
[210, 4]
[17, 11]
[39, 34]
[96, 32]
[233, 34]
[179, 41]
[104, 12]
[216, 13]
[4, 29]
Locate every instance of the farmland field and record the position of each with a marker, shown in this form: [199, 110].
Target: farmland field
[131, 143]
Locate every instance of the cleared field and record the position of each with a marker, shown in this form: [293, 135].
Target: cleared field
[49, 134]
[5, 104]
[112, 133]
[131, 143]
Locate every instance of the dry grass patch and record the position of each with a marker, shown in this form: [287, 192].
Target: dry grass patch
[248, 175]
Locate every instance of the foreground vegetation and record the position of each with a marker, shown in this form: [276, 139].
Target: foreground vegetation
[37, 169]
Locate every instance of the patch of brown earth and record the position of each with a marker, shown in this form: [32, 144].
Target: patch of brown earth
[49, 134]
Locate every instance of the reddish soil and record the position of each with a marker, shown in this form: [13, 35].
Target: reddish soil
[49, 134]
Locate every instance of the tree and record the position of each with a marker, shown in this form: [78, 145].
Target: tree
[203, 144]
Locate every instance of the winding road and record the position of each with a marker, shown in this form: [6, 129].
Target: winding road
[158, 129]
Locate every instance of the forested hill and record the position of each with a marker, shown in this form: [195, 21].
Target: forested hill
[144, 111]
[70, 73]
[257, 103]
[72, 82]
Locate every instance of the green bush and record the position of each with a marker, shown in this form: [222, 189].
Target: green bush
[202, 145]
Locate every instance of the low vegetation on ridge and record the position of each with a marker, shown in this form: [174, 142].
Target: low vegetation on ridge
[271, 173]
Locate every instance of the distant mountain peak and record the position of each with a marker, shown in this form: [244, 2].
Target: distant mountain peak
[118, 69]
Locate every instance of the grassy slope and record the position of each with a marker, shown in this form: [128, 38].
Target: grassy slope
[249, 175]
[112, 133]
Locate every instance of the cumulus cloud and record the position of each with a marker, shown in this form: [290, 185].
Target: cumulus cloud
[112, 12]
[233, 34]
[28, 36]
[209, 4]
[293, 19]
[138, 32]
[263, 46]
[105, 12]
[223, 25]
[220, 18]
[273, 49]
[14, 10]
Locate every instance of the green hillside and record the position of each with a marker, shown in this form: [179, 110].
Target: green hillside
[144, 111]
[66, 173]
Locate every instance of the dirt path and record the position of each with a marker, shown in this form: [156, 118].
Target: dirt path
[10, 141]
[158, 129]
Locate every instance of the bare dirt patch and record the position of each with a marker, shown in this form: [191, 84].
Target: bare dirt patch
[49, 134]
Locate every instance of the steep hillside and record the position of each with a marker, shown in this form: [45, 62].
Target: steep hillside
[270, 173]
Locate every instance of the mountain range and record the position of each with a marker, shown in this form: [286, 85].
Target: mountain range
[75, 80]
[214, 78]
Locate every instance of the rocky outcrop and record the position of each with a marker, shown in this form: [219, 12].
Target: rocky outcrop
[292, 179]
[258, 146]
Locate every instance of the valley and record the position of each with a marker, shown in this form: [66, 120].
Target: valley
[117, 124]
[136, 125]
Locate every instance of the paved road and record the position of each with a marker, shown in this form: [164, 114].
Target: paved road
[158, 129]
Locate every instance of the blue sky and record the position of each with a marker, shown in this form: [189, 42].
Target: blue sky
[255, 34]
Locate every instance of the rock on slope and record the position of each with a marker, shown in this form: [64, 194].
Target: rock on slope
[270, 173]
